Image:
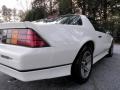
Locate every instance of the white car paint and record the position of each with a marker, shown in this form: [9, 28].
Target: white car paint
[65, 42]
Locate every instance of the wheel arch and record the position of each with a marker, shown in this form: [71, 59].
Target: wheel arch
[88, 43]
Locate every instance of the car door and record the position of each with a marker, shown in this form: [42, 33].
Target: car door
[102, 41]
[101, 37]
[105, 38]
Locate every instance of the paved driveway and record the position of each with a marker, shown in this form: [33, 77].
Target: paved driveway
[105, 76]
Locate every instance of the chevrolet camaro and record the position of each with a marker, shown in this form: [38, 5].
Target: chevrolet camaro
[50, 48]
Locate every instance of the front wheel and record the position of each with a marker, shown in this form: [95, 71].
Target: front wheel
[110, 53]
[83, 65]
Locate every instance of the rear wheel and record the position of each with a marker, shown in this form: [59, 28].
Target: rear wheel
[82, 66]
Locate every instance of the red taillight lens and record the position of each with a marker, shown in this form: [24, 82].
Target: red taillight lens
[23, 37]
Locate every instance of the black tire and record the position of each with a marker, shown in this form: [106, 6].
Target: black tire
[78, 65]
[110, 53]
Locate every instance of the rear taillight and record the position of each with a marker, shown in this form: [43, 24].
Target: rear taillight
[23, 37]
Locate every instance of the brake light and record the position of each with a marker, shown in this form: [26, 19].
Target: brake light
[23, 37]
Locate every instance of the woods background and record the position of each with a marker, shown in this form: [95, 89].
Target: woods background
[106, 12]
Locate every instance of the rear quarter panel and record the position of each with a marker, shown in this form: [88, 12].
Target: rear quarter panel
[65, 42]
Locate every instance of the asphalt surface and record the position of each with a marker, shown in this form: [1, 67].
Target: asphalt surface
[105, 76]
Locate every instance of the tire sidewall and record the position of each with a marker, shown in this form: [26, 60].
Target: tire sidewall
[111, 50]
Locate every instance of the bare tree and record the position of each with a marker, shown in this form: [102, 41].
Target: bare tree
[14, 14]
[21, 14]
[9, 14]
[6, 13]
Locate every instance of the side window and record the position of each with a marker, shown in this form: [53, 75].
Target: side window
[97, 26]
[77, 21]
[67, 20]
[72, 20]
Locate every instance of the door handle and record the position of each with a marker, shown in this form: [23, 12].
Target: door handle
[99, 36]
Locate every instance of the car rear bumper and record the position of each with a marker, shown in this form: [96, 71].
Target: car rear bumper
[29, 64]
[31, 75]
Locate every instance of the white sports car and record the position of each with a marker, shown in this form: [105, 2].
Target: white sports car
[49, 48]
